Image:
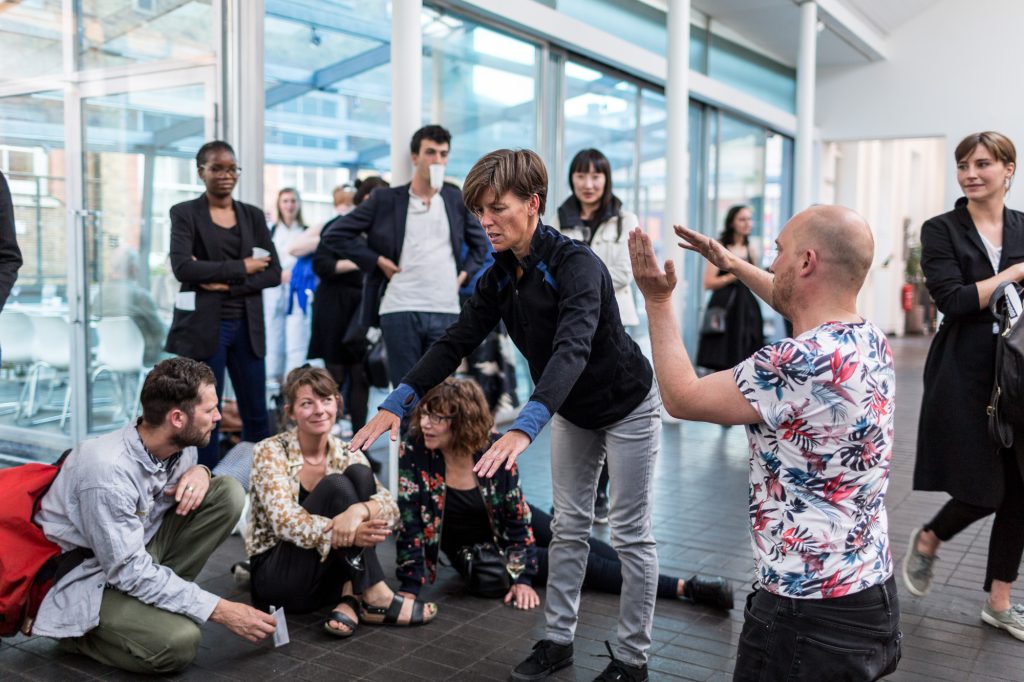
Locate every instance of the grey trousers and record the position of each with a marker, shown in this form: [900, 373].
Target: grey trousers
[577, 455]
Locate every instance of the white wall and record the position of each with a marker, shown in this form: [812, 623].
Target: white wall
[952, 70]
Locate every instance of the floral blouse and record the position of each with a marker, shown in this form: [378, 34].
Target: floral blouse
[421, 496]
[275, 514]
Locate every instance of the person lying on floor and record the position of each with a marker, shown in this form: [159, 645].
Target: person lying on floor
[317, 515]
[449, 431]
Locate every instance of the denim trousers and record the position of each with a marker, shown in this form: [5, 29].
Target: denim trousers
[407, 336]
[630, 446]
[855, 638]
[249, 378]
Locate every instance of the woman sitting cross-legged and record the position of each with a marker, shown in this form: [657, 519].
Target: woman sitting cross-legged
[317, 515]
[449, 431]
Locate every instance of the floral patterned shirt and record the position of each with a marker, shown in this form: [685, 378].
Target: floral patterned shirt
[820, 459]
[275, 514]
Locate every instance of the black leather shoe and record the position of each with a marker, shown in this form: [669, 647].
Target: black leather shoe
[715, 592]
[620, 671]
[547, 657]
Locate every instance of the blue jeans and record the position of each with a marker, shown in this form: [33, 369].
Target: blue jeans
[855, 637]
[407, 336]
[248, 376]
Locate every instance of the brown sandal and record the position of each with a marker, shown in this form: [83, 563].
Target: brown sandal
[393, 611]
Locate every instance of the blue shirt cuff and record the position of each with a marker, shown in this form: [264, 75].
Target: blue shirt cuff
[532, 419]
[401, 401]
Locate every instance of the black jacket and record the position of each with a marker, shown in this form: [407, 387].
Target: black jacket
[954, 451]
[10, 254]
[382, 219]
[562, 316]
[195, 334]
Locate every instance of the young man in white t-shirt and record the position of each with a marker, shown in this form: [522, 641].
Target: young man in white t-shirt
[818, 409]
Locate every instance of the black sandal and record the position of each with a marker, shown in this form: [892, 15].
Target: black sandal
[393, 612]
[343, 619]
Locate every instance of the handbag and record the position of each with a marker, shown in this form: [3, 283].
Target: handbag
[376, 362]
[486, 575]
[1006, 406]
[715, 317]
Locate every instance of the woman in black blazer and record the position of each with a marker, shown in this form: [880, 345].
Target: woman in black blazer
[218, 314]
[966, 254]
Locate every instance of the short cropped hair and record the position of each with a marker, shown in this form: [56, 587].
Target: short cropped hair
[173, 383]
[317, 378]
[364, 188]
[342, 194]
[432, 132]
[464, 402]
[210, 148]
[519, 171]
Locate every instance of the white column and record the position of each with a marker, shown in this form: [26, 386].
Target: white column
[677, 96]
[406, 84]
[245, 94]
[805, 85]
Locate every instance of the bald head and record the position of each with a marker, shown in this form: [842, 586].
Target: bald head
[842, 240]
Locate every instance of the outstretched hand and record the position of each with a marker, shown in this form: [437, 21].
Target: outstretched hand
[712, 249]
[381, 422]
[654, 284]
[505, 450]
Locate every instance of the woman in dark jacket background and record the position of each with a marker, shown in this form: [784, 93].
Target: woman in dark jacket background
[966, 254]
[218, 314]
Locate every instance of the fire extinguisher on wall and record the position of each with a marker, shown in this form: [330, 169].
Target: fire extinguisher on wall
[908, 297]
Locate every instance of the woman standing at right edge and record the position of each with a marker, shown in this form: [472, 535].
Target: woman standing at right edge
[966, 254]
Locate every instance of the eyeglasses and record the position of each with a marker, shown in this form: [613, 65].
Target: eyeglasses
[435, 419]
[233, 171]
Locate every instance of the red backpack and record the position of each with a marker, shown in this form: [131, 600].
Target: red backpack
[29, 563]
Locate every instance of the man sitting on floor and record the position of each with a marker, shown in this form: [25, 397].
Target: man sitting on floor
[819, 414]
[152, 517]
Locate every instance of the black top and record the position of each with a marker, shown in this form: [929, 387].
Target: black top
[303, 494]
[954, 451]
[10, 254]
[465, 520]
[230, 238]
[563, 317]
[196, 259]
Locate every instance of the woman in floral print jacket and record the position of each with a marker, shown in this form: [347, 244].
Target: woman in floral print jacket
[445, 507]
[317, 515]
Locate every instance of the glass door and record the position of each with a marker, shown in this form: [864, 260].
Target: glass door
[138, 160]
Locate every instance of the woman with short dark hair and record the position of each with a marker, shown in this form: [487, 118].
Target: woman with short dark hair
[223, 255]
[317, 515]
[591, 382]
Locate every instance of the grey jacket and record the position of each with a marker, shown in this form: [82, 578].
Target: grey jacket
[109, 497]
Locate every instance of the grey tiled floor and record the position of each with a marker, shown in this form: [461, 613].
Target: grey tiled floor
[700, 524]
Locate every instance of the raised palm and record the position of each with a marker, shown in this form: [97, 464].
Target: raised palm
[711, 249]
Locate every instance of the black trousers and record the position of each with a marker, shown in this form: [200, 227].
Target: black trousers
[855, 638]
[604, 570]
[293, 577]
[1006, 544]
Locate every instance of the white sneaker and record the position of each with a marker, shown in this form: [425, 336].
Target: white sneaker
[1011, 620]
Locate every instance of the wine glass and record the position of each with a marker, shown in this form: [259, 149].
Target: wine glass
[515, 562]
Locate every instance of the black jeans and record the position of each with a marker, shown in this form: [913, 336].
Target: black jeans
[855, 638]
[1006, 544]
[292, 577]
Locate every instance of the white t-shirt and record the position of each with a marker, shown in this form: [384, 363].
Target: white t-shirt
[428, 282]
[283, 237]
[820, 460]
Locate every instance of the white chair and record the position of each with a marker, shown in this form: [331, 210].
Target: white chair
[119, 353]
[16, 336]
[51, 350]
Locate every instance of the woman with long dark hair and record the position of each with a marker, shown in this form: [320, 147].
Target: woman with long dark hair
[223, 255]
[965, 255]
[738, 332]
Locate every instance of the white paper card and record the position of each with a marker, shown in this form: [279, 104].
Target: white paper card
[1013, 305]
[258, 252]
[281, 633]
[185, 300]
